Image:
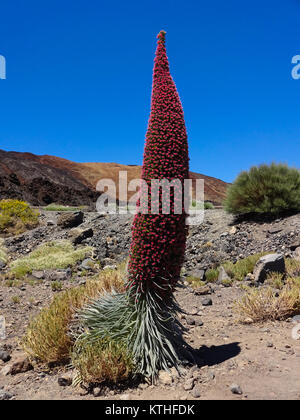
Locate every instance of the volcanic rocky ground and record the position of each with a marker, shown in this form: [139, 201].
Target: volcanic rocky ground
[262, 361]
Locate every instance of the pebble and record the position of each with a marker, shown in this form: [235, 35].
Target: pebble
[4, 356]
[236, 389]
[196, 392]
[207, 302]
[189, 384]
[97, 392]
[4, 396]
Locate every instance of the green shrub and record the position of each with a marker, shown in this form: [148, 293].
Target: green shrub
[212, 275]
[198, 205]
[269, 189]
[208, 205]
[16, 217]
[51, 255]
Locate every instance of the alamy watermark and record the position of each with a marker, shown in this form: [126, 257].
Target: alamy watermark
[2, 67]
[160, 196]
[296, 68]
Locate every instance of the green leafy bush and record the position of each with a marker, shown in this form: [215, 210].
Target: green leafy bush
[16, 217]
[270, 189]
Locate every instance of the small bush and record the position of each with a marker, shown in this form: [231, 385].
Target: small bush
[270, 189]
[208, 205]
[47, 338]
[16, 217]
[196, 205]
[16, 299]
[51, 255]
[102, 361]
[212, 275]
[265, 304]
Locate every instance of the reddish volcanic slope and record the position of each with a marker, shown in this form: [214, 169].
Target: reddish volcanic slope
[46, 179]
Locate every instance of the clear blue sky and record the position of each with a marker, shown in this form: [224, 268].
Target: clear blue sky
[79, 79]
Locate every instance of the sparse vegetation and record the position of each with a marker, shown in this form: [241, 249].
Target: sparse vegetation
[207, 205]
[59, 207]
[212, 275]
[47, 338]
[102, 361]
[275, 280]
[16, 299]
[270, 189]
[56, 286]
[195, 281]
[241, 268]
[16, 217]
[3, 254]
[55, 254]
[267, 304]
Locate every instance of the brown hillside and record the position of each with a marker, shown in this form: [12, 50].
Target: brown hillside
[45, 179]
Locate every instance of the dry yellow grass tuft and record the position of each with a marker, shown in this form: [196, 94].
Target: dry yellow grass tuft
[266, 304]
[47, 339]
[101, 361]
[3, 254]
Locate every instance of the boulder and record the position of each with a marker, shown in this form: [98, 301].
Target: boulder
[4, 396]
[222, 275]
[203, 290]
[199, 274]
[70, 219]
[87, 264]
[78, 235]
[38, 274]
[267, 264]
[295, 244]
[58, 275]
[20, 364]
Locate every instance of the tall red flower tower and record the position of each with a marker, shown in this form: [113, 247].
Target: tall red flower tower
[145, 315]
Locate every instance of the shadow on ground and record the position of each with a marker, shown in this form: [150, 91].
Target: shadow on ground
[214, 355]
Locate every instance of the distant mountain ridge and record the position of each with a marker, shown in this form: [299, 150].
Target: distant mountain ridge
[42, 180]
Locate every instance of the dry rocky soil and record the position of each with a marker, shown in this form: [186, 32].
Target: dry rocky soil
[234, 361]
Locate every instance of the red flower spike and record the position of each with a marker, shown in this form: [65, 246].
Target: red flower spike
[158, 241]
